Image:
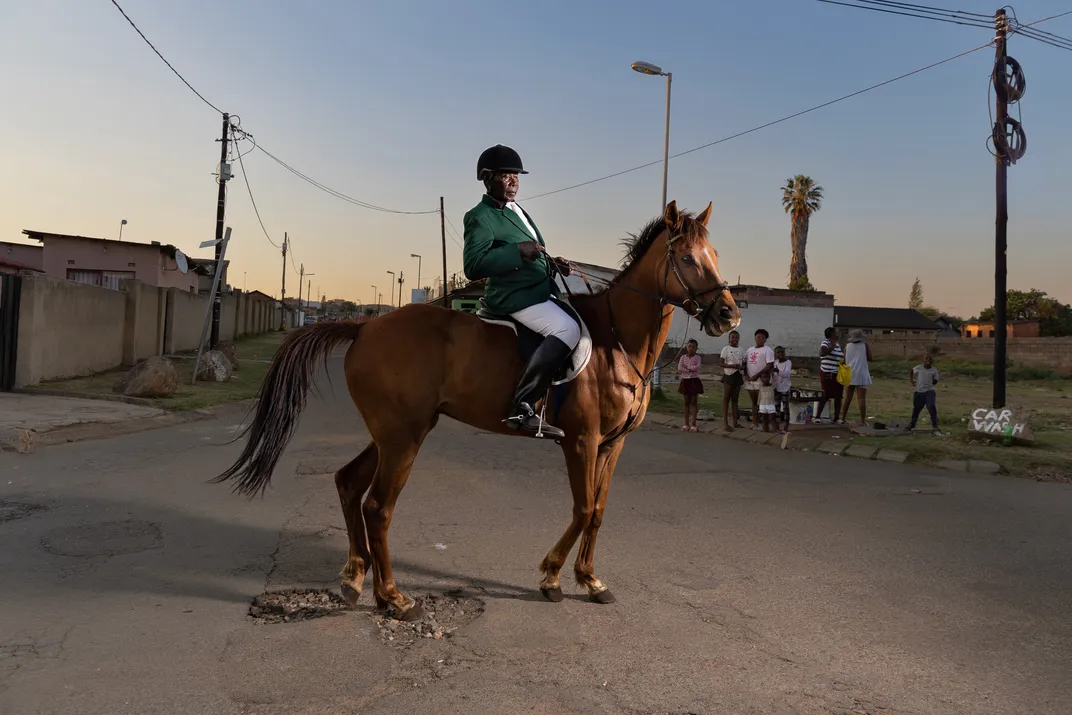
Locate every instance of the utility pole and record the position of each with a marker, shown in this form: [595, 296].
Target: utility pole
[1002, 213]
[401, 280]
[224, 175]
[283, 290]
[301, 279]
[443, 237]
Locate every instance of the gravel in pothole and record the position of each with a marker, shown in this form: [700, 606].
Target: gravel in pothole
[295, 604]
[443, 616]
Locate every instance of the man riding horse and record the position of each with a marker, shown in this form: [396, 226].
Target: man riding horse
[503, 246]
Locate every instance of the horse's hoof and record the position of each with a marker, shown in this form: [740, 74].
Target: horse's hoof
[554, 595]
[351, 594]
[414, 613]
[604, 597]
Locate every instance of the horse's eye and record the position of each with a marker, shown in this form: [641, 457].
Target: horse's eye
[687, 260]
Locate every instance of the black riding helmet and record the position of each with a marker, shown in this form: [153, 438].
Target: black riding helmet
[499, 159]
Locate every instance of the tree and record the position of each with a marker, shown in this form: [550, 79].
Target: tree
[915, 298]
[801, 197]
[802, 284]
[1055, 317]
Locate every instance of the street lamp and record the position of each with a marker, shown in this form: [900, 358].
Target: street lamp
[392, 274]
[648, 68]
[373, 295]
[121, 225]
[414, 255]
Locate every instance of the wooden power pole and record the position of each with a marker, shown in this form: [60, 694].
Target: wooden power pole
[443, 237]
[221, 199]
[283, 290]
[1002, 210]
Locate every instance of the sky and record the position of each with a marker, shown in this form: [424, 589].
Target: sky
[392, 103]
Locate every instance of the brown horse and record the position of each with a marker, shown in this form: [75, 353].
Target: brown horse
[457, 365]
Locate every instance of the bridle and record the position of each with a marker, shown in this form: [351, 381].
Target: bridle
[691, 304]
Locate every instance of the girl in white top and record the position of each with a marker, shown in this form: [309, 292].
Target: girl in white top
[732, 359]
[857, 357]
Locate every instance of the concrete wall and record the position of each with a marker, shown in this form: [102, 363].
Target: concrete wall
[795, 320]
[1042, 353]
[68, 329]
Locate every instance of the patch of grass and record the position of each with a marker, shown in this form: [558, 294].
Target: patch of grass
[254, 356]
[964, 387]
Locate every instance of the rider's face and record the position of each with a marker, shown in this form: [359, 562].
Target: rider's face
[502, 187]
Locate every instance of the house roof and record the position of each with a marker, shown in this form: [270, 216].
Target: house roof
[257, 295]
[849, 316]
[165, 248]
[16, 264]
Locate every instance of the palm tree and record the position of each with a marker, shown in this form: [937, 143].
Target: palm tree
[801, 197]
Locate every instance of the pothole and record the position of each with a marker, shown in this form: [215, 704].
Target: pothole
[295, 604]
[109, 538]
[443, 616]
[12, 510]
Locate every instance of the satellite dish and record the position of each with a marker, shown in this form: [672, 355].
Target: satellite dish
[181, 262]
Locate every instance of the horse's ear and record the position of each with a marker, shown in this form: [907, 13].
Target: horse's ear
[705, 215]
[672, 217]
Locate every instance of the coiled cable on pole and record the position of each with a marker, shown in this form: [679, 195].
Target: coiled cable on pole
[1010, 141]
[1010, 83]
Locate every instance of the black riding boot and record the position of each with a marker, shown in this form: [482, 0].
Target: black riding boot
[535, 380]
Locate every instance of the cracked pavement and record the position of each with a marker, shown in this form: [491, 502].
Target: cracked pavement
[749, 580]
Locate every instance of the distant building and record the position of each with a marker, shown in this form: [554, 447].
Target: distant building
[900, 322]
[1013, 329]
[104, 262]
[206, 273]
[15, 257]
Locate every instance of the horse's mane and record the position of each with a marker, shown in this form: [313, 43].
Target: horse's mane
[637, 244]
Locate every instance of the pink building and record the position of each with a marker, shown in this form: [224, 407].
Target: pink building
[105, 262]
[15, 257]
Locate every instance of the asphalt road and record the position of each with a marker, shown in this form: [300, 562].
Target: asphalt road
[749, 580]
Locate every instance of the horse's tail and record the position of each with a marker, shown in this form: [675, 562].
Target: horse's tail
[281, 399]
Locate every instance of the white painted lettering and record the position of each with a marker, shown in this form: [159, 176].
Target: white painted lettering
[979, 425]
[992, 415]
[1018, 428]
[979, 414]
[1005, 415]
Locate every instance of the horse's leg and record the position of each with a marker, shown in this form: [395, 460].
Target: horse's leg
[583, 568]
[581, 457]
[392, 470]
[353, 481]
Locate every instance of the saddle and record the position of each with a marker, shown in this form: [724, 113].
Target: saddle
[528, 340]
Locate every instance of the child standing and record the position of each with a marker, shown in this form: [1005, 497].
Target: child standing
[783, 370]
[925, 377]
[690, 386]
[732, 360]
[767, 411]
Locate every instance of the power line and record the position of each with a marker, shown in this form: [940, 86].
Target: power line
[199, 95]
[927, 8]
[765, 126]
[923, 15]
[1064, 45]
[454, 233]
[253, 201]
[335, 193]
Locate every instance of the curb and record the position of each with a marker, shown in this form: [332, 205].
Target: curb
[99, 396]
[834, 448]
[26, 441]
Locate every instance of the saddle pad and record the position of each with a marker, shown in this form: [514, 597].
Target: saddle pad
[580, 356]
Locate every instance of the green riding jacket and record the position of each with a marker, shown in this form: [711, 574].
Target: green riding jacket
[493, 234]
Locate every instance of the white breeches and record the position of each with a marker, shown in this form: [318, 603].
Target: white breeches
[548, 320]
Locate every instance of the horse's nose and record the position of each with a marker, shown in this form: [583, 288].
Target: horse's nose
[725, 313]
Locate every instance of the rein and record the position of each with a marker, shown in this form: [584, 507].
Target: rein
[691, 299]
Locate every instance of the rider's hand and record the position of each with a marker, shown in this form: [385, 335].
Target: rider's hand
[530, 250]
[563, 266]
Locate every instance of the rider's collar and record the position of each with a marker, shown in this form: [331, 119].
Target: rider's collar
[494, 202]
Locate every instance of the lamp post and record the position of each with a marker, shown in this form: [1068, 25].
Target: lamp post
[414, 255]
[392, 274]
[374, 295]
[121, 225]
[648, 68]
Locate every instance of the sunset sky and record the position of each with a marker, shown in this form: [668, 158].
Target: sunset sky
[392, 103]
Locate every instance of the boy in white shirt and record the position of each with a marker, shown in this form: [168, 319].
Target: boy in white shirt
[759, 362]
[732, 359]
[783, 370]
